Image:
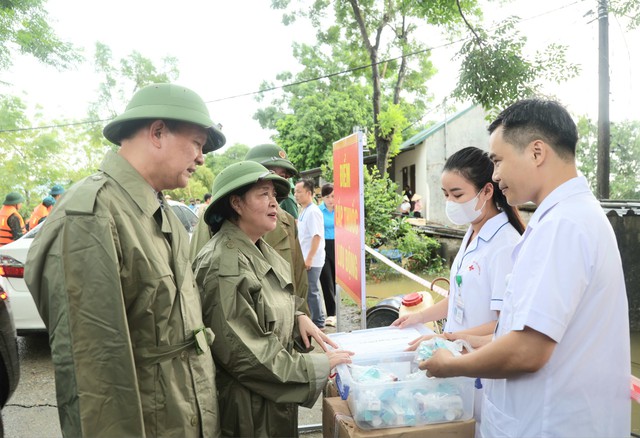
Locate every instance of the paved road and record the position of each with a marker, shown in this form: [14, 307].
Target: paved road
[32, 411]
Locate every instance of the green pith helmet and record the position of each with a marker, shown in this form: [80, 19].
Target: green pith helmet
[270, 156]
[56, 190]
[48, 201]
[167, 101]
[239, 175]
[13, 198]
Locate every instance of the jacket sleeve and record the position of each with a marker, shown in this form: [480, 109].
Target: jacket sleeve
[255, 357]
[14, 223]
[72, 270]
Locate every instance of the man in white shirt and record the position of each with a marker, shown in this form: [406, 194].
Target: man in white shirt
[311, 235]
[560, 355]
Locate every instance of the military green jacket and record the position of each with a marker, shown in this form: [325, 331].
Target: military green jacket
[116, 292]
[248, 300]
[290, 205]
[284, 239]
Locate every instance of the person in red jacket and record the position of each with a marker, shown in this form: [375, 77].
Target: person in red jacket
[11, 223]
[41, 211]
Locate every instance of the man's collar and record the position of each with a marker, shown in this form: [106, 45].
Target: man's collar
[123, 173]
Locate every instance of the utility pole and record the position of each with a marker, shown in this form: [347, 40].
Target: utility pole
[604, 134]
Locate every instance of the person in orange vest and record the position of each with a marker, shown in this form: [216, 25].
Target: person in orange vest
[56, 191]
[11, 223]
[41, 212]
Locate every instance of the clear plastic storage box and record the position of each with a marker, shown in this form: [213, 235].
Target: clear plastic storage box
[412, 400]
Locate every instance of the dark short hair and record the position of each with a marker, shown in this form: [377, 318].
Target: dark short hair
[308, 184]
[131, 127]
[207, 196]
[538, 119]
[326, 190]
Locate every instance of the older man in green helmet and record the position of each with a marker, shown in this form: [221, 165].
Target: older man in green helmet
[284, 238]
[111, 277]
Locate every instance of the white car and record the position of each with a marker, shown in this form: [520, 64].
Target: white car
[13, 256]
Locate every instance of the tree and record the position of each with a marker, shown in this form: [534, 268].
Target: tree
[24, 28]
[388, 38]
[624, 178]
[318, 117]
[494, 70]
[202, 180]
[627, 8]
[359, 37]
[31, 161]
[217, 161]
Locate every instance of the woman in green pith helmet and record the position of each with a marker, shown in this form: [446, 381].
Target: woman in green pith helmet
[248, 301]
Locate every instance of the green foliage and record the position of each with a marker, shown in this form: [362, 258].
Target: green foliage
[201, 181]
[624, 178]
[351, 35]
[495, 71]
[422, 253]
[381, 200]
[384, 230]
[122, 78]
[629, 9]
[217, 161]
[390, 122]
[318, 120]
[31, 161]
[25, 28]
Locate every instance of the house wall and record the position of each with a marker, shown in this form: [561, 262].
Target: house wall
[469, 129]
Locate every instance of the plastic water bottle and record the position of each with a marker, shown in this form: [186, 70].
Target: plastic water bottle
[416, 302]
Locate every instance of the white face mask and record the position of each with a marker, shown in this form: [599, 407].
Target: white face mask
[464, 212]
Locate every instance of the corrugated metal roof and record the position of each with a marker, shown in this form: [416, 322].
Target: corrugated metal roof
[421, 136]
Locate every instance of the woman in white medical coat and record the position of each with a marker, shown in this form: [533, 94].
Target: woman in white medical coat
[478, 274]
[479, 271]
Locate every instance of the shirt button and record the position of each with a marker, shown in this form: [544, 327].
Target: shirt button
[184, 355]
[194, 421]
[230, 244]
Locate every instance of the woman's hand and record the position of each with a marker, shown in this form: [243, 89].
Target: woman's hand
[413, 345]
[337, 357]
[308, 329]
[407, 320]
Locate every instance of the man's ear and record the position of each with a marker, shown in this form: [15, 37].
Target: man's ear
[539, 151]
[155, 131]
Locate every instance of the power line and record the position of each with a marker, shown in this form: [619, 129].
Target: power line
[61, 125]
[292, 84]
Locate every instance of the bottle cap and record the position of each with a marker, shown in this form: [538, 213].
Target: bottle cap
[412, 299]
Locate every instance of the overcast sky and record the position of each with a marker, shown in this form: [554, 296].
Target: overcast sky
[227, 48]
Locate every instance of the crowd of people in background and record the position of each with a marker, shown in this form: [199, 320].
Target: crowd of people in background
[12, 224]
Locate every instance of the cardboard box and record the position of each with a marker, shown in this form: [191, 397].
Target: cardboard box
[330, 390]
[337, 422]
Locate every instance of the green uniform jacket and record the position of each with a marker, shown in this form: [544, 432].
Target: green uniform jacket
[121, 306]
[290, 205]
[248, 300]
[284, 239]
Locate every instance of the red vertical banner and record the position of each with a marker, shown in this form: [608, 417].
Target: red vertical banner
[348, 189]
